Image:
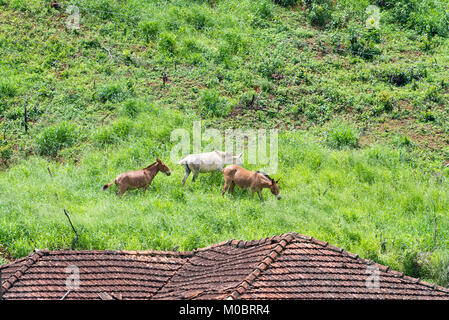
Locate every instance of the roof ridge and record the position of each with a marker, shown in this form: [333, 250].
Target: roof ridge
[186, 261]
[32, 259]
[283, 240]
[381, 267]
[268, 240]
[158, 253]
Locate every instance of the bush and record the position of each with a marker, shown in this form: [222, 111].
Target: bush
[428, 116]
[7, 89]
[211, 104]
[319, 12]
[401, 75]
[342, 136]
[167, 44]
[5, 150]
[270, 67]
[131, 108]
[150, 30]
[263, 12]
[56, 137]
[362, 43]
[426, 17]
[286, 3]
[114, 92]
[199, 19]
[386, 100]
[104, 136]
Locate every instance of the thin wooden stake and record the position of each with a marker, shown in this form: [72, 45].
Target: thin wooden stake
[74, 230]
[25, 117]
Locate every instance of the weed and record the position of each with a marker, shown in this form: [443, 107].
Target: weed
[342, 136]
[56, 137]
[212, 104]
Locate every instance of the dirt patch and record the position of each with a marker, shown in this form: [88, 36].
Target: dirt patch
[425, 135]
[5, 255]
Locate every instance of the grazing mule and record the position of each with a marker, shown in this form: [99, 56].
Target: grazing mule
[208, 162]
[138, 179]
[253, 180]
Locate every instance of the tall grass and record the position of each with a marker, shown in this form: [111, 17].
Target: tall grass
[370, 201]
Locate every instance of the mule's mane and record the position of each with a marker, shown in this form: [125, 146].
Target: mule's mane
[266, 175]
[150, 165]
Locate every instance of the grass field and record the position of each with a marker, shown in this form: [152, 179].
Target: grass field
[362, 114]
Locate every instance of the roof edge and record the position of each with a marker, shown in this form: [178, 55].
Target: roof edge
[381, 267]
[295, 235]
[32, 259]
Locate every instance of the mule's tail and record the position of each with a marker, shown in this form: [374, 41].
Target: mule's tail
[108, 185]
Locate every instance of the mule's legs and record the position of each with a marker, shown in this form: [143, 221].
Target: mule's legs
[260, 195]
[231, 187]
[226, 186]
[122, 191]
[186, 175]
[195, 175]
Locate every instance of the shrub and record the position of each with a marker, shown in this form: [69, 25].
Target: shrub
[211, 103]
[426, 17]
[269, 67]
[150, 30]
[5, 150]
[400, 75]
[386, 101]
[363, 43]
[104, 136]
[199, 19]
[167, 44]
[432, 94]
[56, 137]
[319, 12]
[130, 108]
[191, 45]
[428, 116]
[264, 10]
[286, 3]
[234, 41]
[342, 136]
[114, 92]
[403, 141]
[122, 128]
[7, 89]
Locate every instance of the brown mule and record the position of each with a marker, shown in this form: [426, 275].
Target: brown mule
[138, 179]
[253, 180]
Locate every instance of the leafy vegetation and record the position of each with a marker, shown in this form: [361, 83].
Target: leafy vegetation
[360, 101]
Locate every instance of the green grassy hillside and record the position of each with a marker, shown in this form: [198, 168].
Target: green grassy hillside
[362, 113]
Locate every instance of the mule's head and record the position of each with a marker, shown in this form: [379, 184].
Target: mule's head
[162, 167]
[275, 188]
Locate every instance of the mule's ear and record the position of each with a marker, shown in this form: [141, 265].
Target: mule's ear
[278, 180]
[158, 160]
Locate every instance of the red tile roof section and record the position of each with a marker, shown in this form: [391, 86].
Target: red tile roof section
[289, 266]
[128, 274]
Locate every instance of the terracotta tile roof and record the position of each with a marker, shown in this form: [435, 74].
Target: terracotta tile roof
[118, 274]
[289, 266]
